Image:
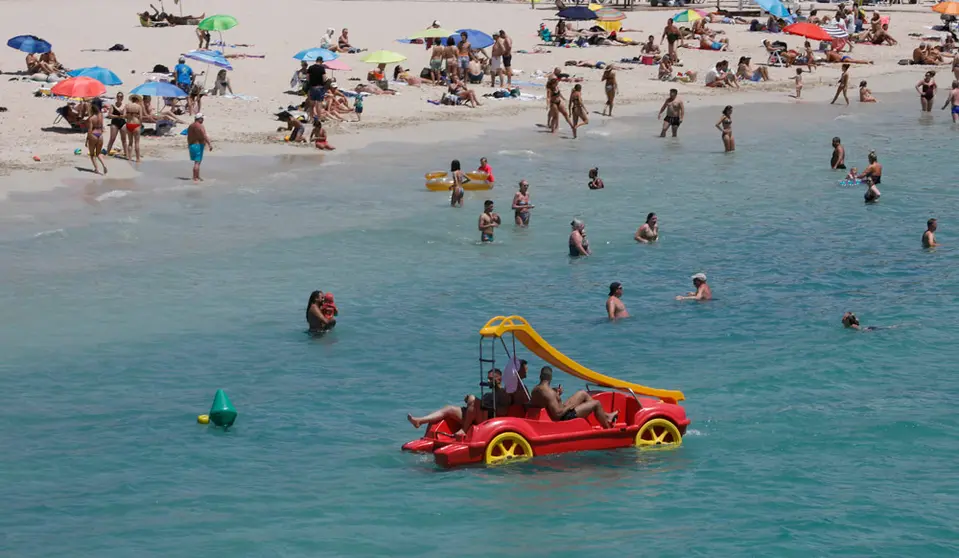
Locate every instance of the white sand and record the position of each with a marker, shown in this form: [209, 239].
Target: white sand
[280, 28]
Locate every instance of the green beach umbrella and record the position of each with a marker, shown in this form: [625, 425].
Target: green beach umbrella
[432, 33]
[383, 57]
[218, 23]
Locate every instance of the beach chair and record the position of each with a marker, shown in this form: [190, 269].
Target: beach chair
[68, 115]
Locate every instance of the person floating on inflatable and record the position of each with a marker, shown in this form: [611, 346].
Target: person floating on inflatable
[485, 168]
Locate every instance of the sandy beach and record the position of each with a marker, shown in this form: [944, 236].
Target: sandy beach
[247, 125]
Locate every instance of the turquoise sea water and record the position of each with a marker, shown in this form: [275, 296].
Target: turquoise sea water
[122, 317]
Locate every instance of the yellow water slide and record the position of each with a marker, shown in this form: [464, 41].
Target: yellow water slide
[525, 334]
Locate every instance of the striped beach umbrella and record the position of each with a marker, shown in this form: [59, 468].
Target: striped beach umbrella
[609, 14]
[835, 31]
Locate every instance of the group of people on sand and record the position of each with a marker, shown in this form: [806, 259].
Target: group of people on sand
[45, 63]
[502, 395]
[457, 61]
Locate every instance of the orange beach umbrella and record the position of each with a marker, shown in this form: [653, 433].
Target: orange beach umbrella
[948, 8]
[808, 30]
[79, 87]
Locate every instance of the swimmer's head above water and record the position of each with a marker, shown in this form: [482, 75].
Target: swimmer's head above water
[850, 320]
[594, 172]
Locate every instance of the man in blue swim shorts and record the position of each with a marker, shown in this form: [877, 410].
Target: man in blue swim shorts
[197, 141]
[487, 222]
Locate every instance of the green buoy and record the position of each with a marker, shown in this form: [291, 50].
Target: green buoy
[222, 412]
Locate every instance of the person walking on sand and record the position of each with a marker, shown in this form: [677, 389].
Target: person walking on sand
[702, 292]
[675, 111]
[615, 309]
[521, 205]
[95, 135]
[507, 57]
[488, 220]
[725, 125]
[798, 80]
[197, 140]
[929, 237]
[576, 107]
[927, 91]
[609, 78]
[842, 86]
[838, 161]
[953, 101]
[558, 107]
[672, 34]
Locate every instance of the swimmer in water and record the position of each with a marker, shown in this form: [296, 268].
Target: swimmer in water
[929, 237]
[703, 292]
[838, 154]
[725, 125]
[675, 112]
[850, 321]
[953, 99]
[648, 231]
[456, 189]
[521, 205]
[315, 316]
[873, 170]
[615, 309]
[595, 182]
[488, 220]
[578, 243]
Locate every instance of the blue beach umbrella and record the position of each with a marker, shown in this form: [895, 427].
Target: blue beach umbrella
[580, 13]
[775, 7]
[477, 39]
[29, 43]
[311, 54]
[212, 57]
[159, 89]
[103, 75]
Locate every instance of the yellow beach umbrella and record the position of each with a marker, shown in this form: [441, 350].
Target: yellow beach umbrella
[383, 57]
[432, 33]
[608, 18]
[948, 8]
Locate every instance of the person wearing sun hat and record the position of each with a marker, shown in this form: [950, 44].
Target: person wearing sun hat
[702, 291]
[197, 140]
[615, 309]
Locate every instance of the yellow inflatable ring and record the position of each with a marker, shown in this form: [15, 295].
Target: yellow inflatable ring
[508, 446]
[441, 182]
[659, 433]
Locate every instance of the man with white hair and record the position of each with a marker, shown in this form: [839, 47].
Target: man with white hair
[702, 291]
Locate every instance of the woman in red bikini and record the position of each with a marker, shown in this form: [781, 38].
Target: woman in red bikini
[133, 113]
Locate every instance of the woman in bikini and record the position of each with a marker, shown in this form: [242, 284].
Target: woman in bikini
[521, 205]
[576, 107]
[452, 66]
[133, 113]
[456, 189]
[725, 125]
[556, 108]
[648, 231]
[95, 135]
[118, 126]
[865, 95]
[609, 78]
[318, 136]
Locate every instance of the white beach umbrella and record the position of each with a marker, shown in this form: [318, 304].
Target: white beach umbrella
[835, 31]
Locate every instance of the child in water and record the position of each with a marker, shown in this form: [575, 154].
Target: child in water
[595, 182]
[853, 174]
[329, 310]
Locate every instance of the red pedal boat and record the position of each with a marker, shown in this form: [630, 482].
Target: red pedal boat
[648, 418]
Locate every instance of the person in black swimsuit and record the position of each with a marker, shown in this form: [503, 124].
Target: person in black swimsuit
[927, 91]
[579, 405]
[118, 126]
[874, 170]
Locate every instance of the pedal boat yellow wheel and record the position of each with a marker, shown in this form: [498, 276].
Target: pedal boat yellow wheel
[659, 433]
[508, 446]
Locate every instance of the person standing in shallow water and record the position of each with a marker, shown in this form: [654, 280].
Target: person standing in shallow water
[929, 237]
[927, 91]
[456, 189]
[521, 205]
[702, 292]
[615, 309]
[578, 243]
[838, 160]
[725, 125]
[648, 231]
[197, 141]
[488, 220]
[953, 100]
[675, 111]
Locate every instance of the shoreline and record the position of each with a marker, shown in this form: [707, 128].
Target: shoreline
[240, 128]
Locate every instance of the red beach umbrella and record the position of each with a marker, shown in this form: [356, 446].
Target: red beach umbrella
[808, 30]
[80, 87]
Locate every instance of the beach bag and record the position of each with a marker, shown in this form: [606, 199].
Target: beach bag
[118, 48]
[161, 69]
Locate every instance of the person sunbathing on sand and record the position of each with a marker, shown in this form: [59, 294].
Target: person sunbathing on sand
[834, 57]
[865, 95]
[373, 89]
[163, 114]
[883, 37]
[36, 66]
[705, 43]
